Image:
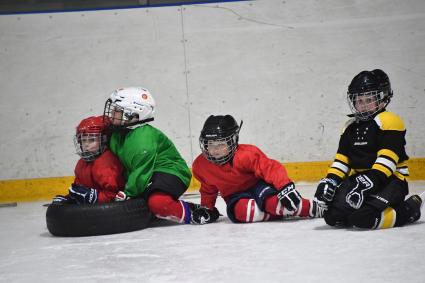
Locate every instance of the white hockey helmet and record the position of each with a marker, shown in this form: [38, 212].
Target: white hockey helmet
[130, 107]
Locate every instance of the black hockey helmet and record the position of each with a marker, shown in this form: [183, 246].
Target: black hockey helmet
[384, 83]
[220, 128]
[375, 84]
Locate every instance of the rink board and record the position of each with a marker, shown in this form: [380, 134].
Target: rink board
[46, 188]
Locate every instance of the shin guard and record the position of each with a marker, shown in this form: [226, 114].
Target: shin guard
[246, 211]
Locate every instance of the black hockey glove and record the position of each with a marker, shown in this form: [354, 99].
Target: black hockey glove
[82, 194]
[326, 190]
[363, 185]
[61, 200]
[289, 197]
[203, 215]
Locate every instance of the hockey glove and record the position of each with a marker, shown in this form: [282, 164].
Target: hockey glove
[203, 215]
[289, 197]
[361, 186]
[326, 190]
[82, 194]
[60, 199]
[317, 208]
[121, 196]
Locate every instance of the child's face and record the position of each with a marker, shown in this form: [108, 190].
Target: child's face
[116, 117]
[90, 143]
[218, 149]
[365, 103]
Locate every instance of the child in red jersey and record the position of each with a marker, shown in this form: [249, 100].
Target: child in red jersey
[99, 173]
[254, 187]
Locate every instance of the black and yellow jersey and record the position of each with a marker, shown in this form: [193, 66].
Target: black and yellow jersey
[378, 144]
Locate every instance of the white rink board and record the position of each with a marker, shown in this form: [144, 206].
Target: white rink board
[281, 66]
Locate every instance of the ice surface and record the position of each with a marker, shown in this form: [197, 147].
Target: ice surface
[282, 251]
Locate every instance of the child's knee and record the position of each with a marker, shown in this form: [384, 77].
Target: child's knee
[246, 210]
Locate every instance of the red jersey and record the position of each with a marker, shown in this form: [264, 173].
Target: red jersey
[249, 165]
[105, 174]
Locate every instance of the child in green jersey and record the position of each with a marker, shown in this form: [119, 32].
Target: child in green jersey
[154, 168]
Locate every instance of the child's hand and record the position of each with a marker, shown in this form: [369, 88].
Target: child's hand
[121, 196]
[82, 194]
[203, 215]
[289, 197]
[326, 189]
[358, 191]
[60, 199]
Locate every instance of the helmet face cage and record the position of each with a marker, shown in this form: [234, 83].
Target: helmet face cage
[365, 105]
[368, 93]
[118, 115]
[90, 145]
[230, 141]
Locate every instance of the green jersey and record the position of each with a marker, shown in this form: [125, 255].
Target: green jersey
[146, 150]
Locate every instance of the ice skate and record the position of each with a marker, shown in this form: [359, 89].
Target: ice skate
[413, 207]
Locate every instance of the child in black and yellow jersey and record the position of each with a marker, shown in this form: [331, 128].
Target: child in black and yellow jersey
[366, 185]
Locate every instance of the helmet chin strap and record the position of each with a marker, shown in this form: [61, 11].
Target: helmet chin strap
[387, 101]
[357, 116]
[131, 126]
[137, 124]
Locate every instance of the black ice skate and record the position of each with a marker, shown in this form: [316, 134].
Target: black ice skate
[413, 207]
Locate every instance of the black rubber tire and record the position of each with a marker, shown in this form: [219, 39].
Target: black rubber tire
[71, 220]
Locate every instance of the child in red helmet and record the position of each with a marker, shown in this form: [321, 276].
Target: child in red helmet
[99, 173]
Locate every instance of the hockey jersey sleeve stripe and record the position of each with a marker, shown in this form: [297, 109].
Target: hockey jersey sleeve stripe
[389, 153]
[342, 158]
[402, 168]
[404, 171]
[383, 168]
[337, 172]
[387, 162]
[338, 165]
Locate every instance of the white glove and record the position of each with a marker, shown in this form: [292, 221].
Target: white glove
[121, 196]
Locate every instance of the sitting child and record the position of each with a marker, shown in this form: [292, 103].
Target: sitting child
[366, 185]
[155, 169]
[254, 187]
[99, 173]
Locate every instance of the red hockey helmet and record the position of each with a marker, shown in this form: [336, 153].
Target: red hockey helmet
[91, 137]
[93, 125]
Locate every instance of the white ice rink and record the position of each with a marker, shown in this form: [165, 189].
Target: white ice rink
[283, 251]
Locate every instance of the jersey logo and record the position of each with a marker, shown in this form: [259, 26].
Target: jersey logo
[360, 143]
